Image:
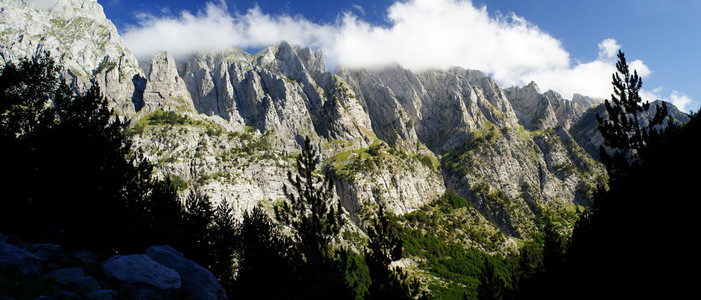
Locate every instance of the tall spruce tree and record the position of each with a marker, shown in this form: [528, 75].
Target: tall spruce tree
[385, 246]
[624, 129]
[310, 212]
[266, 257]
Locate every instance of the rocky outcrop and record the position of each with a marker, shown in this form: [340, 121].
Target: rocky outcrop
[197, 282]
[273, 98]
[80, 38]
[434, 108]
[161, 273]
[165, 90]
[283, 90]
[142, 277]
[487, 156]
[537, 110]
[586, 101]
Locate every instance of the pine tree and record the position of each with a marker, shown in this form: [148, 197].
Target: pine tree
[385, 246]
[198, 218]
[309, 212]
[624, 130]
[265, 256]
[224, 245]
[491, 285]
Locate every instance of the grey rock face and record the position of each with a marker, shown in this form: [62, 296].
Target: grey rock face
[165, 90]
[282, 89]
[197, 282]
[141, 276]
[537, 110]
[80, 38]
[586, 101]
[477, 128]
[434, 108]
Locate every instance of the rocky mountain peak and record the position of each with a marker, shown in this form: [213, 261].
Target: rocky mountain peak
[165, 89]
[537, 110]
[73, 8]
[531, 88]
[80, 38]
[163, 72]
[586, 100]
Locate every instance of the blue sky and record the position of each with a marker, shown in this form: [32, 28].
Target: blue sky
[566, 46]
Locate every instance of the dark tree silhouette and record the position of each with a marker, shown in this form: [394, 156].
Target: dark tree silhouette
[309, 212]
[224, 239]
[637, 240]
[624, 129]
[74, 149]
[385, 246]
[267, 259]
[492, 285]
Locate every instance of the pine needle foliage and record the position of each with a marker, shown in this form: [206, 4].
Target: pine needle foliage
[309, 210]
[625, 130]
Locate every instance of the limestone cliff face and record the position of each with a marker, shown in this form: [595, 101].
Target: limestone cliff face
[537, 110]
[282, 89]
[433, 108]
[79, 37]
[477, 129]
[587, 101]
[165, 89]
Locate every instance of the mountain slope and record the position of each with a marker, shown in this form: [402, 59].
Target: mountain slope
[229, 123]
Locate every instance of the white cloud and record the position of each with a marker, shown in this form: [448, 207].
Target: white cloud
[216, 29]
[422, 34]
[440, 34]
[608, 49]
[683, 102]
[680, 100]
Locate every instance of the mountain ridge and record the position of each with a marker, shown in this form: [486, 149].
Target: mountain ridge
[388, 136]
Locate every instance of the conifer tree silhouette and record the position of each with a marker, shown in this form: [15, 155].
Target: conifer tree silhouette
[309, 210]
[624, 130]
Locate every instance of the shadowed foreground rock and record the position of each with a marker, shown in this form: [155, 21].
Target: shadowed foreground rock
[197, 282]
[139, 276]
[43, 271]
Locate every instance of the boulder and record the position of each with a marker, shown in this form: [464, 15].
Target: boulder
[49, 254]
[65, 295]
[197, 282]
[17, 261]
[75, 279]
[84, 257]
[139, 276]
[102, 295]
